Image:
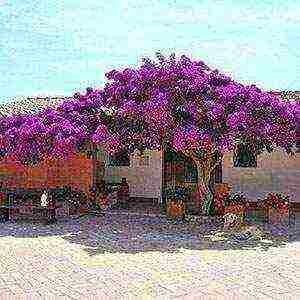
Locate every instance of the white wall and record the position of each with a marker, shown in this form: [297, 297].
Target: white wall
[144, 181]
[275, 172]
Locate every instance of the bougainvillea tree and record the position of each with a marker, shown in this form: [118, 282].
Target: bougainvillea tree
[167, 103]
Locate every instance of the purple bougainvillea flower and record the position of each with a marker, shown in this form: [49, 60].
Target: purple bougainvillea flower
[180, 103]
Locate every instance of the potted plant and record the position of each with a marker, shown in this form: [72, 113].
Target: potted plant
[218, 204]
[221, 192]
[277, 206]
[235, 207]
[175, 201]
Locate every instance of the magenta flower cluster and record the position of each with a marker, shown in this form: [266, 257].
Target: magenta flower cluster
[180, 103]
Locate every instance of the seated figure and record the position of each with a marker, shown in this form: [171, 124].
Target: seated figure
[123, 193]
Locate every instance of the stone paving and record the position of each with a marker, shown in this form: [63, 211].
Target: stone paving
[132, 257]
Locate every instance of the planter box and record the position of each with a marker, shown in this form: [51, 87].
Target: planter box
[277, 217]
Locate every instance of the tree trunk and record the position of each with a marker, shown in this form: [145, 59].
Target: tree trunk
[204, 195]
[204, 168]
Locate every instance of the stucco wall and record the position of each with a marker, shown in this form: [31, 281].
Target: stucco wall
[275, 172]
[144, 181]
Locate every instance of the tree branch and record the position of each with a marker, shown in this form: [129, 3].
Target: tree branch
[207, 164]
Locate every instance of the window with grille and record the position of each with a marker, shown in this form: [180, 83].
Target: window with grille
[244, 157]
[121, 159]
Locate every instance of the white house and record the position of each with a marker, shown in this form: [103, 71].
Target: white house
[275, 172]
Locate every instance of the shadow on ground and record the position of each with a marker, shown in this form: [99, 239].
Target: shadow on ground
[33, 229]
[134, 234]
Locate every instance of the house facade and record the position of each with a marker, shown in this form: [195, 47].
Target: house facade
[150, 174]
[274, 172]
[76, 171]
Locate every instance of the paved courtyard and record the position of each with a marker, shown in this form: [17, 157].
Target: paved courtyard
[130, 257]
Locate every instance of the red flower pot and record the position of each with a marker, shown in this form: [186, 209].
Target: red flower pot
[175, 209]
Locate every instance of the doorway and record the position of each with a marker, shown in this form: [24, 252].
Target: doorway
[180, 170]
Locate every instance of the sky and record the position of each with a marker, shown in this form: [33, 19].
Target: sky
[59, 47]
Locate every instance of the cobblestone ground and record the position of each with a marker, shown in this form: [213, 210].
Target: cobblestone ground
[129, 257]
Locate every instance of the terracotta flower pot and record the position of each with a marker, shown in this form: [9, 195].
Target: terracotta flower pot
[235, 209]
[234, 216]
[233, 220]
[222, 188]
[175, 209]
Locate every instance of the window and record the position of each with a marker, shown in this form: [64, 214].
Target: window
[144, 160]
[244, 157]
[120, 159]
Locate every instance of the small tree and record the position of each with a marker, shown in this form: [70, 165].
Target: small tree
[177, 103]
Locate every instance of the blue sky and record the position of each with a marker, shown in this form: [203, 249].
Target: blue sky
[57, 47]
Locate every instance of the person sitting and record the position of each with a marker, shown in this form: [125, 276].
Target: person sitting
[123, 193]
[101, 197]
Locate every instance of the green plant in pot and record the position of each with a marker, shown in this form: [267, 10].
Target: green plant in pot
[175, 201]
[236, 200]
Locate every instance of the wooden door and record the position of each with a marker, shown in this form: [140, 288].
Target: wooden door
[174, 169]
